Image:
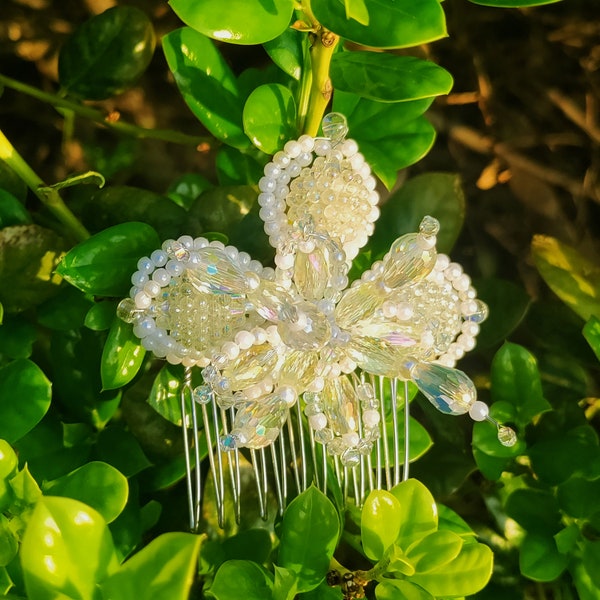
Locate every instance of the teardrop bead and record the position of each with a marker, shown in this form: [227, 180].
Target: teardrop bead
[312, 272]
[449, 390]
[411, 258]
[378, 356]
[311, 331]
[340, 405]
[272, 302]
[215, 272]
[358, 303]
[257, 423]
[251, 366]
[298, 369]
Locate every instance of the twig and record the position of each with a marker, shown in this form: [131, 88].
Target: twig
[166, 135]
[574, 114]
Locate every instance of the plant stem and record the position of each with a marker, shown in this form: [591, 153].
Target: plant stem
[101, 118]
[320, 89]
[47, 195]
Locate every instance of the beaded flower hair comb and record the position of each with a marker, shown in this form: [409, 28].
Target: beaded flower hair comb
[295, 363]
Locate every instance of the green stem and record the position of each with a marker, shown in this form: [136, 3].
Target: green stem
[320, 89]
[99, 117]
[48, 196]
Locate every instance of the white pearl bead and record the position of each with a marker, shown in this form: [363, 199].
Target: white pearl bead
[231, 350]
[200, 243]
[145, 265]
[452, 271]
[152, 288]
[318, 421]
[260, 335]
[284, 261]
[266, 184]
[288, 394]
[142, 300]
[187, 241]
[441, 262]
[351, 439]
[462, 283]
[292, 148]
[281, 159]
[349, 148]
[479, 411]
[272, 170]
[371, 418]
[161, 277]
[244, 339]
[470, 328]
[322, 147]
[139, 279]
[466, 342]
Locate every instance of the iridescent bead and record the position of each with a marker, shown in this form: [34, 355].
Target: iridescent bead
[506, 436]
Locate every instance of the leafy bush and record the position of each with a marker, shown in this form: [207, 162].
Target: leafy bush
[92, 502]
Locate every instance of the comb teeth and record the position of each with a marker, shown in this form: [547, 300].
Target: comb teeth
[295, 460]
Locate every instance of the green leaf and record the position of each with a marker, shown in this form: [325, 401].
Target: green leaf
[12, 183]
[285, 584]
[418, 512]
[419, 440]
[237, 168]
[237, 579]
[96, 484]
[508, 304]
[117, 204]
[380, 523]
[391, 136]
[393, 589]
[572, 452]
[122, 356]
[269, 117]
[165, 395]
[185, 189]
[437, 194]
[287, 51]
[591, 332]
[251, 544]
[536, 510]
[66, 310]
[119, 448]
[101, 315]
[25, 394]
[241, 22]
[566, 539]
[516, 380]
[586, 589]
[222, 207]
[103, 264]
[467, 574]
[28, 256]
[512, 3]
[12, 212]
[434, 551]
[357, 10]
[451, 521]
[571, 276]
[165, 568]
[107, 54]
[9, 545]
[17, 336]
[539, 558]
[26, 491]
[388, 77]
[579, 497]
[87, 178]
[206, 83]
[60, 532]
[392, 23]
[591, 560]
[309, 535]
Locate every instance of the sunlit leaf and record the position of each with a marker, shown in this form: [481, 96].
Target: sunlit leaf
[539, 558]
[380, 523]
[122, 356]
[241, 579]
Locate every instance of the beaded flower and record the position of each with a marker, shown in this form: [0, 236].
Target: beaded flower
[269, 338]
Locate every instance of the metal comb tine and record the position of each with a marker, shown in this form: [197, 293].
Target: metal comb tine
[220, 473]
[211, 460]
[405, 470]
[293, 453]
[262, 500]
[313, 451]
[394, 398]
[265, 478]
[234, 468]
[386, 445]
[277, 477]
[302, 449]
[283, 463]
[185, 421]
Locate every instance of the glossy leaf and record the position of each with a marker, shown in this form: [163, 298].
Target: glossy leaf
[96, 484]
[310, 517]
[17, 337]
[508, 304]
[391, 136]
[285, 584]
[388, 77]
[119, 448]
[467, 574]
[122, 356]
[516, 380]
[165, 568]
[237, 168]
[418, 512]
[419, 440]
[185, 189]
[392, 23]
[513, 3]
[66, 310]
[60, 532]
[287, 51]
[24, 398]
[241, 579]
[571, 276]
[437, 194]
[165, 395]
[591, 332]
[242, 22]
[28, 258]
[251, 544]
[393, 589]
[357, 10]
[380, 523]
[9, 544]
[434, 551]
[451, 521]
[12, 212]
[579, 497]
[206, 83]
[107, 53]
[586, 589]
[536, 510]
[103, 264]
[591, 559]
[25, 490]
[566, 539]
[100, 316]
[539, 558]
[269, 117]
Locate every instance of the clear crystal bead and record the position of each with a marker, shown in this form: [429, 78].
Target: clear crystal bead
[507, 436]
[335, 127]
[410, 259]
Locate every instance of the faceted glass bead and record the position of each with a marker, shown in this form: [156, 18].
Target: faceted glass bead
[480, 314]
[251, 366]
[202, 394]
[272, 302]
[358, 303]
[312, 272]
[410, 259]
[127, 310]
[216, 273]
[313, 336]
[340, 405]
[506, 436]
[449, 390]
[335, 127]
[298, 369]
[377, 356]
[260, 420]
